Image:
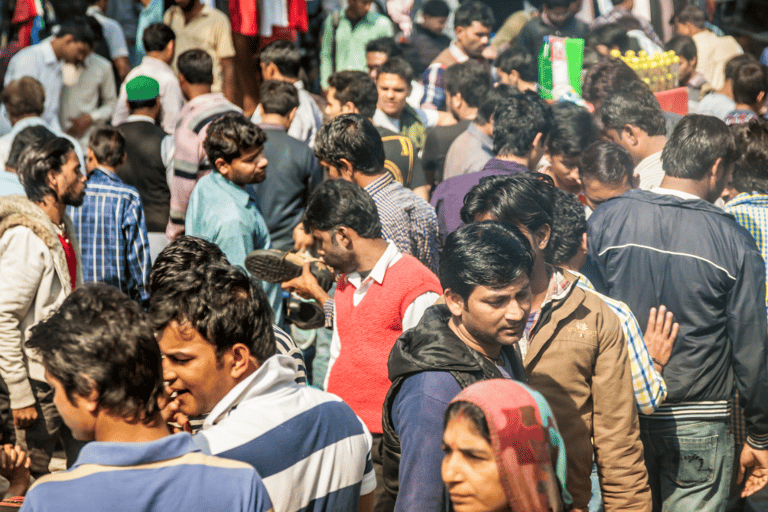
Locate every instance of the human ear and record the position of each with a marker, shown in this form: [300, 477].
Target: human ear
[241, 357]
[541, 236]
[454, 301]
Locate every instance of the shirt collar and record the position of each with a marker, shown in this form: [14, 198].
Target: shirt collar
[138, 117]
[271, 126]
[93, 9]
[484, 139]
[648, 161]
[377, 273]
[299, 85]
[100, 174]
[676, 193]
[749, 198]
[458, 53]
[379, 183]
[236, 191]
[134, 454]
[275, 373]
[48, 54]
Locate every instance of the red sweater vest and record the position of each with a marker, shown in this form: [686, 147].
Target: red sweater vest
[369, 330]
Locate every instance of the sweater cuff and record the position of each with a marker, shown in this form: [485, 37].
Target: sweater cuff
[21, 394]
[758, 441]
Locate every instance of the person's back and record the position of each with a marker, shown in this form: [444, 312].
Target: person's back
[293, 170]
[644, 246]
[556, 19]
[110, 223]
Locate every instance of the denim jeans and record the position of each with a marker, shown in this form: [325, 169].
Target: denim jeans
[689, 463]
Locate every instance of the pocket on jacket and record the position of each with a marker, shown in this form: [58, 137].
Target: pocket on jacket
[690, 460]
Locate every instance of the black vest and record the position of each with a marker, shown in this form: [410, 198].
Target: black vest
[145, 170]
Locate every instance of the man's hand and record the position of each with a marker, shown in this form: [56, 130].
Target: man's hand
[756, 461]
[14, 467]
[660, 335]
[490, 52]
[80, 125]
[23, 418]
[306, 286]
[169, 409]
[302, 241]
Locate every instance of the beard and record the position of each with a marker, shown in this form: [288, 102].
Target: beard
[74, 196]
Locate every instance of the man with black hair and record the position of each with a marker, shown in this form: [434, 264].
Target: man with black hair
[40, 265]
[466, 86]
[350, 148]
[379, 287]
[484, 273]
[104, 366]
[10, 183]
[160, 43]
[632, 117]
[572, 131]
[623, 9]
[148, 166]
[428, 39]
[345, 35]
[188, 252]
[521, 125]
[281, 60]
[557, 19]
[202, 107]
[44, 62]
[215, 331]
[585, 375]
[393, 111]
[750, 85]
[713, 51]
[643, 251]
[605, 170]
[687, 76]
[117, 47]
[720, 103]
[473, 22]
[567, 247]
[472, 149]
[518, 69]
[378, 51]
[199, 26]
[110, 223]
[220, 208]
[354, 92]
[293, 169]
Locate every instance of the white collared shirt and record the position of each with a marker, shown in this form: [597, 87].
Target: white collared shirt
[113, 33]
[671, 192]
[413, 312]
[650, 171]
[6, 141]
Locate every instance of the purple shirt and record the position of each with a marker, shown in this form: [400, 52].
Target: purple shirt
[449, 195]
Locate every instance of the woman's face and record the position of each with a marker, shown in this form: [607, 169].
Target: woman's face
[469, 469]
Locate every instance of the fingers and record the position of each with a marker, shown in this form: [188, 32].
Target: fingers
[651, 320]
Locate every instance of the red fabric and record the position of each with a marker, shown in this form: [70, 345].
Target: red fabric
[243, 16]
[522, 431]
[24, 14]
[369, 330]
[297, 15]
[69, 252]
[674, 100]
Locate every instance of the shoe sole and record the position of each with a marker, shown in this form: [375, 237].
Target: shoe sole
[271, 267]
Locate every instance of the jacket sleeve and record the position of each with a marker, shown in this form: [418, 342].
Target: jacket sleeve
[747, 332]
[22, 263]
[618, 450]
[137, 252]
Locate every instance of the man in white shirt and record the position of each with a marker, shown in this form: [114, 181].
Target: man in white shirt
[113, 36]
[632, 118]
[44, 62]
[159, 42]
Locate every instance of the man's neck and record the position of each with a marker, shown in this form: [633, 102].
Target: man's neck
[58, 49]
[364, 180]
[351, 17]
[195, 90]
[488, 350]
[275, 119]
[105, 168]
[522, 160]
[539, 283]
[694, 187]
[146, 112]
[727, 89]
[159, 56]
[744, 106]
[369, 252]
[194, 11]
[15, 120]
[53, 208]
[653, 145]
[115, 429]
[145, 3]
[467, 114]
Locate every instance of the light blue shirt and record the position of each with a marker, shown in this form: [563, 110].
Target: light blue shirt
[10, 184]
[40, 62]
[153, 13]
[224, 213]
[6, 141]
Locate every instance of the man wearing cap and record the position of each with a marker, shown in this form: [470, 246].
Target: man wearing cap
[148, 166]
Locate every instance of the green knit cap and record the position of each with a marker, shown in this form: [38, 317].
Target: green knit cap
[142, 88]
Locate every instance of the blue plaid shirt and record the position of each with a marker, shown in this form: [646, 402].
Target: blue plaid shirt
[406, 219]
[113, 235]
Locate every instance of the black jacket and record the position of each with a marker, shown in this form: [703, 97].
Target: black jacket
[432, 346]
[648, 249]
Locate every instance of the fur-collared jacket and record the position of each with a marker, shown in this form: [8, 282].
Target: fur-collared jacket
[34, 280]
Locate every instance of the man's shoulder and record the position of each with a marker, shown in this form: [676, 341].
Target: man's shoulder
[438, 386]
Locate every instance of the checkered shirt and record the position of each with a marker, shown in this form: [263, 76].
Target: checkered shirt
[113, 235]
[649, 386]
[751, 212]
[406, 219]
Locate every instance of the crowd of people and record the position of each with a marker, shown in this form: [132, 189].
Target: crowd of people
[331, 258]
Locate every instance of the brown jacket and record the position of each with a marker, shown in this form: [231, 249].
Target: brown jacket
[577, 359]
